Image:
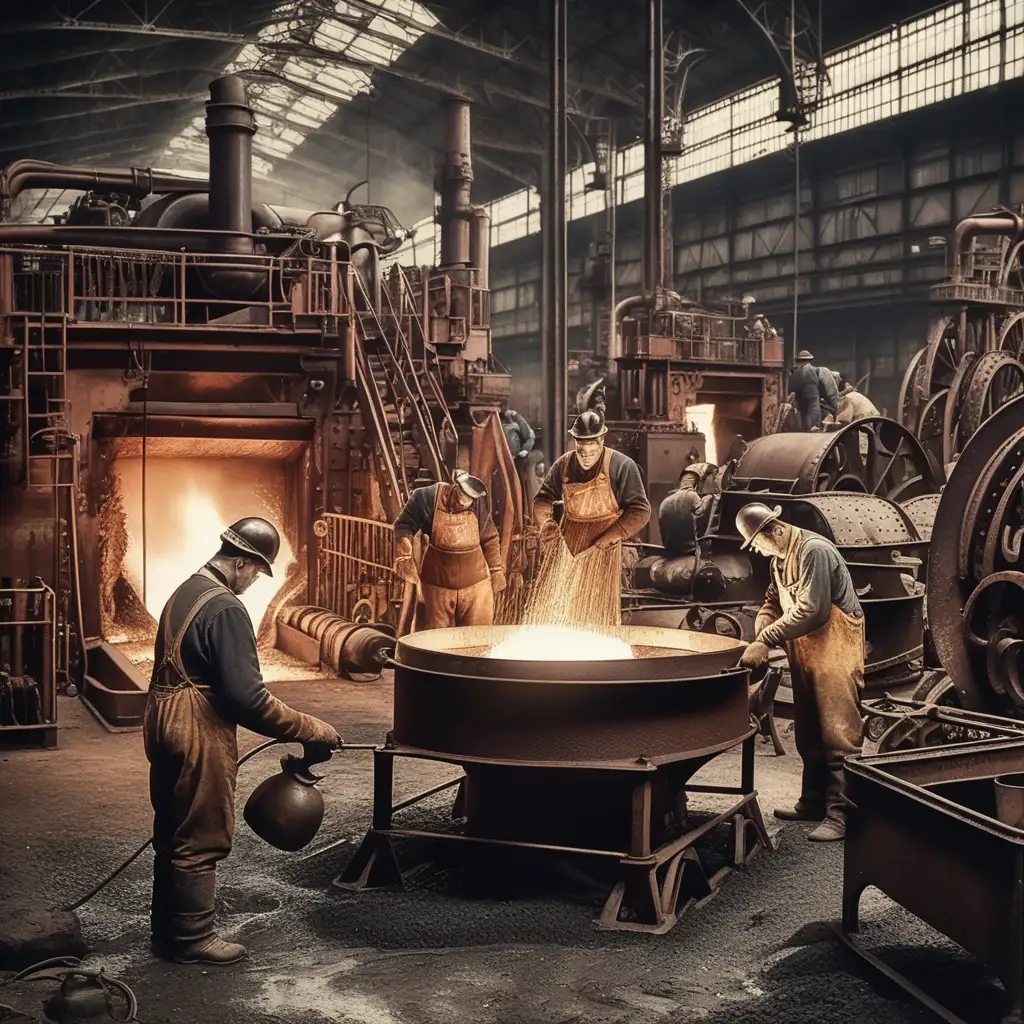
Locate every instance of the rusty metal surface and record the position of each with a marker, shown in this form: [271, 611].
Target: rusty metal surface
[862, 520]
[977, 532]
[936, 809]
[921, 511]
[874, 456]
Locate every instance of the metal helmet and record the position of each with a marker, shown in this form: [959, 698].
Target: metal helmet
[471, 486]
[255, 537]
[803, 356]
[753, 518]
[589, 426]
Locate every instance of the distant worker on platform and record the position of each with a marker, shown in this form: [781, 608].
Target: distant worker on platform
[815, 391]
[206, 682]
[811, 609]
[853, 405]
[604, 503]
[462, 570]
[518, 433]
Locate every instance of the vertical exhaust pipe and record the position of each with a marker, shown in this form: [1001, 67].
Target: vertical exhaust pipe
[456, 180]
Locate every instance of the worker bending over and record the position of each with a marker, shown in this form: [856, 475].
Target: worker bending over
[811, 609]
[206, 682]
[852, 404]
[462, 570]
[518, 433]
[604, 504]
[684, 514]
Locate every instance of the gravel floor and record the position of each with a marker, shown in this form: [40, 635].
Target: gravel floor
[446, 949]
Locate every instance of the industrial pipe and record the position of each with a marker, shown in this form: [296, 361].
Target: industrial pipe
[654, 116]
[454, 186]
[138, 182]
[159, 239]
[620, 310]
[480, 246]
[554, 341]
[1005, 223]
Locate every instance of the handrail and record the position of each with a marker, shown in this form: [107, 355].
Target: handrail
[378, 414]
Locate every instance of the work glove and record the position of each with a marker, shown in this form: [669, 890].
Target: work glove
[405, 567]
[497, 582]
[522, 454]
[549, 532]
[604, 542]
[324, 734]
[756, 654]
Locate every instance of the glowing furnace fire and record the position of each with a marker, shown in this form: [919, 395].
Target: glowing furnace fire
[560, 643]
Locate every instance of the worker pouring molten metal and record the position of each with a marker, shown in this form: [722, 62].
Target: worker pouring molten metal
[462, 570]
[206, 681]
[604, 504]
[811, 608]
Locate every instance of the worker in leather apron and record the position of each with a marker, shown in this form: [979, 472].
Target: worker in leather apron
[462, 570]
[206, 682]
[811, 608]
[604, 503]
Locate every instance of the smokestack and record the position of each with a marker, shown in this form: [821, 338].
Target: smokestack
[456, 179]
[480, 245]
[653, 268]
[230, 126]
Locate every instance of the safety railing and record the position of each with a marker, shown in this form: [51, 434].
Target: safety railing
[28, 659]
[356, 569]
[133, 287]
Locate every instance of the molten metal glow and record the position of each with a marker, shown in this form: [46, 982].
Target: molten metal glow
[560, 643]
[188, 503]
[703, 418]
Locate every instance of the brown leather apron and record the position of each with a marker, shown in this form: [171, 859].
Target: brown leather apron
[455, 578]
[192, 752]
[584, 590]
[827, 670]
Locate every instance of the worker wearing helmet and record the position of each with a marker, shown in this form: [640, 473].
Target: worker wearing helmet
[604, 504]
[815, 390]
[206, 682]
[811, 609]
[462, 570]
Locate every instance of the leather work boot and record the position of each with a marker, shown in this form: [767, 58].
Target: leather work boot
[834, 826]
[811, 805]
[192, 922]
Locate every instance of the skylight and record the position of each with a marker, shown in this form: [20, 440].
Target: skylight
[298, 93]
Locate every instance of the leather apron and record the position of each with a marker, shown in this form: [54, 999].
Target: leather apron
[578, 584]
[455, 578]
[827, 670]
[192, 753]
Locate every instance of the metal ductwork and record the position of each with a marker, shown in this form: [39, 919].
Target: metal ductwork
[137, 182]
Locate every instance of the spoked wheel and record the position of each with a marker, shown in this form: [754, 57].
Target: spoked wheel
[915, 733]
[909, 402]
[1011, 335]
[997, 378]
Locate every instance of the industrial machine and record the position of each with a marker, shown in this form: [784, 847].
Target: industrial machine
[175, 354]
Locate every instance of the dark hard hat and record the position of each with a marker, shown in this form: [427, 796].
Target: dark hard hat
[471, 486]
[255, 537]
[803, 356]
[589, 426]
[753, 518]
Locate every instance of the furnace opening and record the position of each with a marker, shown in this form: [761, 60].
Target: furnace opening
[191, 489]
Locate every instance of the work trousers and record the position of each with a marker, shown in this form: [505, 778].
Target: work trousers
[441, 607]
[192, 752]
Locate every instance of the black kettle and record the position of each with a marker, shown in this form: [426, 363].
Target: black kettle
[287, 809]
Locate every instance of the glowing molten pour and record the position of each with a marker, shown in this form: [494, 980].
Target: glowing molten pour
[560, 643]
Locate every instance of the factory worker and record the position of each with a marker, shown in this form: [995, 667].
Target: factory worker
[206, 682]
[593, 396]
[852, 404]
[811, 609]
[604, 504]
[462, 570]
[684, 514]
[518, 433]
[815, 390]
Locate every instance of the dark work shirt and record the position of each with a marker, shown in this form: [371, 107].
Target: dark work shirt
[682, 516]
[519, 434]
[626, 483]
[418, 517]
[219, 651]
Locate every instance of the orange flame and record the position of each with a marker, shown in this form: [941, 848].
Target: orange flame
[560, 643]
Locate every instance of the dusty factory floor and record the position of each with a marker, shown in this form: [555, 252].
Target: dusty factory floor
[445, 950]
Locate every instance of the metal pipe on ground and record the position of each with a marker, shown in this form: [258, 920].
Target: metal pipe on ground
[353, 650]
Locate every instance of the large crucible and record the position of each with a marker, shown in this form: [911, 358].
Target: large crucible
[576, 746]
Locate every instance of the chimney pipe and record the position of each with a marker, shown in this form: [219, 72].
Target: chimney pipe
[653, 270]
[230, 126]
[480, 246]
[456, 179]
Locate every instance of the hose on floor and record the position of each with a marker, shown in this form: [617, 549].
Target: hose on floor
[61, 968]
[138, 853]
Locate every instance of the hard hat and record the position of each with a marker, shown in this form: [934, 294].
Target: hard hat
[256, 537]
[753, 518]
[470, 485]
[589, 426]
[591, 393]
[803, 356]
